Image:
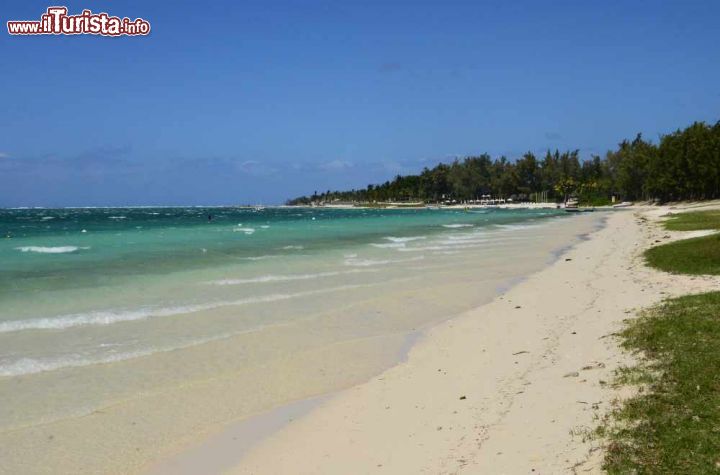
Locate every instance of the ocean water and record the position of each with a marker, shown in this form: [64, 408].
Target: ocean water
[66, 269]
[120, 307]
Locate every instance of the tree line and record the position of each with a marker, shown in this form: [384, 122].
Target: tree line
[683, 165]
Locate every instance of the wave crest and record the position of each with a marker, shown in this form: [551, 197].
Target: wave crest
[284, 278]
[51, 249]
[109, 317]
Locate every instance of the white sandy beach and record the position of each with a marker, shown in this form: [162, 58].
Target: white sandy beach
[511, 387]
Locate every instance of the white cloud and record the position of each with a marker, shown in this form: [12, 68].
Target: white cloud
[256, 168]
[4, 155]
[337, 165]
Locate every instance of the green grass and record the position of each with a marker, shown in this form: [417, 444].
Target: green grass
[689, 256]
[673, 425]
[694, 221]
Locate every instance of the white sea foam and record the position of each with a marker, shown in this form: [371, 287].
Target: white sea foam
[465, 241]
[244, 230]
[468, 240]
[440, 247]
[404, 239]
[459, 225]
[285, 278]
[261, 258]
[45, 218]
[25, 366]
[464, 236]
[109, 317]
[516, 227]
[51, 250]
[397, 242]
[117, 217]
[355, 262]
[292, 248]
[388, 245]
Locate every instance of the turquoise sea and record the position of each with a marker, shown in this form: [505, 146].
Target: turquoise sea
[186, 318]
[67, 269]
[62, 268]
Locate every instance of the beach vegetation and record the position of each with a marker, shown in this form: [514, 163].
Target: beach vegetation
[700, 255]
[682, 165]
[672, 423]
[693, 221]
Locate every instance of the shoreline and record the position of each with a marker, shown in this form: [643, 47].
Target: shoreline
[152, 407]
[514, 407]
[224, 448]
[458, 206]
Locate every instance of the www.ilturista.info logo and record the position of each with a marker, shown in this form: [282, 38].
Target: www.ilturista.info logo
[57, 22]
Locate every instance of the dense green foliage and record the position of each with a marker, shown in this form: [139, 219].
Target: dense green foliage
[673, 425]
[694, 221]
[683, 165]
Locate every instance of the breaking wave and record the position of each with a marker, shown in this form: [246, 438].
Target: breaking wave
[51, 250]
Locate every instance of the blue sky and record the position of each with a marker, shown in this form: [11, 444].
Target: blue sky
[232, 102]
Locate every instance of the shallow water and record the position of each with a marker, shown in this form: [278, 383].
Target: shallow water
[186, 322]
